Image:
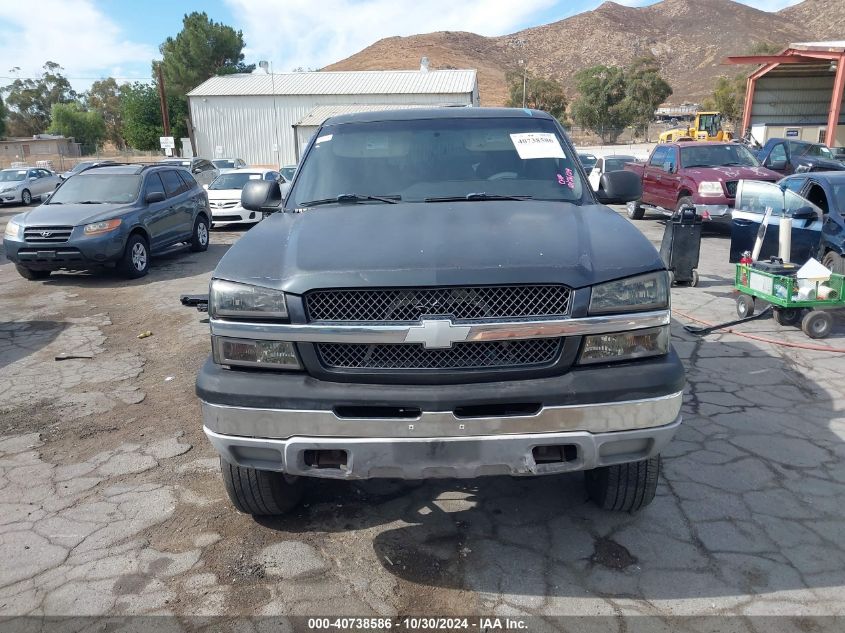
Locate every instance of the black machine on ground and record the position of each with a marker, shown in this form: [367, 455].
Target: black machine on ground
[681, 245]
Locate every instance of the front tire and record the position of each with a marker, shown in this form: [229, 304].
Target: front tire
[817, 324]
[26, 197]
[635, 210]
[624, 487]
[260, 492]
[744, 306]
[684, 202]
[32, 275]
[199, 238]
[135, 262]
[835, 262]
[787, 316]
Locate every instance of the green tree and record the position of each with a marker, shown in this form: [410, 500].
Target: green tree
[85, 126]
[104, 97]
[645, 89]
[202, 49]
[600, 105]
[728, 97]
[3, 114]
[29, 101]
[540, 94]
[141, 114]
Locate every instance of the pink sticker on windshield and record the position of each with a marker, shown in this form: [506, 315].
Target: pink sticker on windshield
[570, 180]
[561, 180]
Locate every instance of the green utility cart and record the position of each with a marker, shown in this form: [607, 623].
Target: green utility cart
[791, 305]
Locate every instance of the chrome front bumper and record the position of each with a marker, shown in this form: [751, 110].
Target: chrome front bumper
[439, 444]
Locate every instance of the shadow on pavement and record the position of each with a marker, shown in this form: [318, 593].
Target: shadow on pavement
[19, 339]
[750, 503]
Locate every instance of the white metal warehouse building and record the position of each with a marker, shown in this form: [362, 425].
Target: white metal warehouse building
[268, 119]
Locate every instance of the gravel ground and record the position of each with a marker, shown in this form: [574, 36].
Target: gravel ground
[112, 501]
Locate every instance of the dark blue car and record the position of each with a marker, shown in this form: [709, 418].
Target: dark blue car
[116, 215]
[815, 201]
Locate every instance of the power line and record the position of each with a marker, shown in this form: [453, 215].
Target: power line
[143, 81]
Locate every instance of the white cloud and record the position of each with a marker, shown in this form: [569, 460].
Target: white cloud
[73, 33]
[305, 33]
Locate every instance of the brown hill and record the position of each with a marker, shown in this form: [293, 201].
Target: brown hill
[824, 19]
[690, 38]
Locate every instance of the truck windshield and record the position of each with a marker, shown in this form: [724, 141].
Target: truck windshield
[427, 159]
[713, 155]
[98, 189]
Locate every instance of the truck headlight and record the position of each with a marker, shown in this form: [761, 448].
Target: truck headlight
[254, 353]
[229, 299]
[710, 188]
[635, 294]
[619, 346]
[13, 230]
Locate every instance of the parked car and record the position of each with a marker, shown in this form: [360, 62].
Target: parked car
[203, 171]
[838, 153]
[117, 216]
[787, 156]
[24, 184]
[587, 161]
[224, 195]
[606, 164]
[287, 172]
[816, 203]
[704, 174]
[85, 164]
[229, 163]
[381, 323]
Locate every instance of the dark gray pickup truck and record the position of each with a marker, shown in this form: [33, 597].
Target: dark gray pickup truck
[440, 294]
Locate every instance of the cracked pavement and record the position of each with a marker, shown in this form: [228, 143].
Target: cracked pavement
[112, 501]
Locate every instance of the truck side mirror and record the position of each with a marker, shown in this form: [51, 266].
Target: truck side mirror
[261, 195]
[619, 187]
[804, 213]
[776, 165]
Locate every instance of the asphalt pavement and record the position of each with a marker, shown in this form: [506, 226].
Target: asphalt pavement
[112, 501]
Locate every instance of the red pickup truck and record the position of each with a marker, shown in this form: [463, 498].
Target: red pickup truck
[695, 172]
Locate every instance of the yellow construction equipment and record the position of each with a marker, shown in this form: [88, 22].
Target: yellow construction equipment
[707, 126]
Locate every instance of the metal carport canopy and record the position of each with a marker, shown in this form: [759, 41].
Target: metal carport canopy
[806, 54]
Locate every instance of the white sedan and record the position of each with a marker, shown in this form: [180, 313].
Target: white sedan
[224, 195]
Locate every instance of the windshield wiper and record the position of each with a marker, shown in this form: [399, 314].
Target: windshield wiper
[351, 197]
[477, 196]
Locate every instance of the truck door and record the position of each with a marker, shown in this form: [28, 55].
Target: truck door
[752, 200]
[778, 159]
[653, 174]
[670, 180]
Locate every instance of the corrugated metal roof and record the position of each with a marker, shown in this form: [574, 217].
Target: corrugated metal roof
[340, 83]
[321, 113]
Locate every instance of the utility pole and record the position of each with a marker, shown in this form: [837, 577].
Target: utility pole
[524, 80]
[165, 117]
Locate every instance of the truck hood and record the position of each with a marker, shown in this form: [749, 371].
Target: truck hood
[72, 214]
[433, 244]
[723, 174]
[820, 164]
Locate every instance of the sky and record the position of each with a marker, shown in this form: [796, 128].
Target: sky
[93, 39]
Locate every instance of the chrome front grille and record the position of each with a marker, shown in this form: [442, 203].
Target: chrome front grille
[47, 234]
[474, 355]
[231, 204]
[407, 305]
[730, 187]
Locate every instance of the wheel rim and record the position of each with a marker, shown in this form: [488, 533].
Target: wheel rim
[202, 234]
[139, 256]
[818, 326]
[26, 197]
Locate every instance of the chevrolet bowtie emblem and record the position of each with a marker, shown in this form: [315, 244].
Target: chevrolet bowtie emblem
[437, 333]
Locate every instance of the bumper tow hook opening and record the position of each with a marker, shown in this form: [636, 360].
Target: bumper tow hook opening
[498, 410]
[555, 453]
[325, 459]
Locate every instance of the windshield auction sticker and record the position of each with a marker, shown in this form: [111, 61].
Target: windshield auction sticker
[537, 145]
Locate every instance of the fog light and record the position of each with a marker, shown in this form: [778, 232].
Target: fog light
[603, 348]
[252, 353]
